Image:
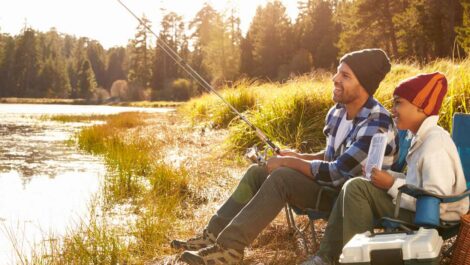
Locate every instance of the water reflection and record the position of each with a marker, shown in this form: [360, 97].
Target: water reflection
[45, 184]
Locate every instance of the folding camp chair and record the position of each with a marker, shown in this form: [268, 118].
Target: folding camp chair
[427, 205]
[326, 191]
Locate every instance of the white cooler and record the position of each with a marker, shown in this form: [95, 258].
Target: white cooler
[419, 247]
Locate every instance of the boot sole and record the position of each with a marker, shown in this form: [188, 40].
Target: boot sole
[179, 245]
[191, 259]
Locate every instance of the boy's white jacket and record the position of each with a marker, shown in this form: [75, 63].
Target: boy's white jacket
[434, 165]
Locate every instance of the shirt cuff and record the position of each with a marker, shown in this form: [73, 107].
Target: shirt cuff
[315, 167]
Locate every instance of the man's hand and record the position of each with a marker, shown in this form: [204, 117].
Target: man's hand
[298, 164]
[381, 179]
[288, 152]
[273, 163]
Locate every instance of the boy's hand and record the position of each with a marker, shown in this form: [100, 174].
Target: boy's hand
[381, 179]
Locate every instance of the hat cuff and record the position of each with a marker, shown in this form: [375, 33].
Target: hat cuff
[400, 91]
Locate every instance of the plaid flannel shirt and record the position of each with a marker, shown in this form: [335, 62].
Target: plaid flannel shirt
[347, 161]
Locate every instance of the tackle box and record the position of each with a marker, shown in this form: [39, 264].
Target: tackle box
[421, 247]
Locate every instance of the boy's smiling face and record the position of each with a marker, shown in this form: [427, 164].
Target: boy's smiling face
[406, 115]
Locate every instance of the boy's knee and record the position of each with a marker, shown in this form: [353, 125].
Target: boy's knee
[354, 185]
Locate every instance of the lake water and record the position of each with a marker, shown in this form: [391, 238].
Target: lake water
[45, 184]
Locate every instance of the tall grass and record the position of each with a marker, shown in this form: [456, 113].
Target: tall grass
[73, 118]
[293, 113]
[140, 192]
[148, 104]
[209, 107]
[295, 119]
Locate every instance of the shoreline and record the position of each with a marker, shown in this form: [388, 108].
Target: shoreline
[48, 101]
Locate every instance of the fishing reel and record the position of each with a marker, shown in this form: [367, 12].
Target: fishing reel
[257, 156]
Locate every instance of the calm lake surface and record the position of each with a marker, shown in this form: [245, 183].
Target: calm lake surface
[45, 184]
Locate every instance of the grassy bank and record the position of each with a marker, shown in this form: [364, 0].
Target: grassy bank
[164, 178]
[292, 113]
[139, 178]
[140, 192]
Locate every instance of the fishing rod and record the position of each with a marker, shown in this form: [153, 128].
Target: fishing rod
[202, 82]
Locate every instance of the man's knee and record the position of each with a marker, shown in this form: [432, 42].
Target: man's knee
[256, 169]
[255, 173]
[279, 175]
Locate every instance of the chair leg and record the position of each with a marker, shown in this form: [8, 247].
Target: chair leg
[314, 234]
[295, 228]
[289, 217]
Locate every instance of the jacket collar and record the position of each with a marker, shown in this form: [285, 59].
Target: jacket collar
[425, 127]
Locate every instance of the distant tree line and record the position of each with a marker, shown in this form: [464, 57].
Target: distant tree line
[51, 64]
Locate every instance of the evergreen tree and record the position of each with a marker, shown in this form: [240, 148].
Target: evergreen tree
[7, 48]
[440, 26]
[164, 68]
[116, 69]
[201, 26]
[140, 57]
[74, 65]
[97, 57]
[463, 37]
[68, 46]
[86, 83]
[271, 36]
[53, 80]
[317, 33]
[222, 52]
[246, 57]
[420, 29]
[25, 66]
[369, 23]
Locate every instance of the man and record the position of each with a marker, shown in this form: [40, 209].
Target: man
[296, 178]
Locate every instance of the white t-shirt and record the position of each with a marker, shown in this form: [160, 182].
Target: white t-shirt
[344, 127]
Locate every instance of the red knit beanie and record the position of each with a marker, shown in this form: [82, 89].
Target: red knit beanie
[425, 91]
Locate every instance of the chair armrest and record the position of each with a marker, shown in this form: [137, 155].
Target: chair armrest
[416, 192]
[329, 189]
[449, 199]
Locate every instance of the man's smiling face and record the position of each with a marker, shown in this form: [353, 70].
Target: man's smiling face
[346, 85]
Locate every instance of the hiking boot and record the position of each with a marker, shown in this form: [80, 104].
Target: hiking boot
[317, 260]
[196, 243]
[213, 255]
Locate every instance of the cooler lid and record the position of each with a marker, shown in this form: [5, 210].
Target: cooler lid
[421, 244]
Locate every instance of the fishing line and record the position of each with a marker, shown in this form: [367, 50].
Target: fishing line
[199, 79]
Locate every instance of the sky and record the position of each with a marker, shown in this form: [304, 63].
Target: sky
[106, 20]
